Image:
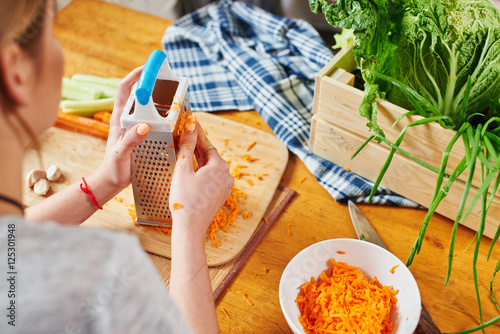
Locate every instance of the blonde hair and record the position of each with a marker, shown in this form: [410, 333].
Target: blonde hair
[21, 21]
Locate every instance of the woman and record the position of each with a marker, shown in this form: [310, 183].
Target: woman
[63, 279]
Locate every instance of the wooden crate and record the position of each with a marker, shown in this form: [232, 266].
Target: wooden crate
[337, 131]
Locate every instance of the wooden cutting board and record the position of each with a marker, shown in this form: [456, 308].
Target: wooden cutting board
[77, 155]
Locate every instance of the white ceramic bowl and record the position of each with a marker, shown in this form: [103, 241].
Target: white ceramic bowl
[372, 260]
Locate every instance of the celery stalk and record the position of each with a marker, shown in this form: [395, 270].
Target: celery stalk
[92, 79]
[87, 108]
[72, 90]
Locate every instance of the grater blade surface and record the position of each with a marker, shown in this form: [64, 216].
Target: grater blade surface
[153, 163]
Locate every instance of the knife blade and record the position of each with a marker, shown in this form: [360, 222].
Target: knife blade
[365, 231]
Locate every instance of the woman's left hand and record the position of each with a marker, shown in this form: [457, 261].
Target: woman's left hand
[117, 165]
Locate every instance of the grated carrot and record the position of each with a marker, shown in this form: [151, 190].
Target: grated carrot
[266, 270]
[250, 182]
[393, 269]
[340, 252]
[226, 216]
[237, 173]
[302, 179]
[249, 158]
[288, 229]
[176, 206]
[265, 220]
[249, 147]
[345, 302]
[244, 295]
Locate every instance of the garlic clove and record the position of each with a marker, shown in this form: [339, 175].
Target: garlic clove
[53, 173]
[34, 176]
[41, 187]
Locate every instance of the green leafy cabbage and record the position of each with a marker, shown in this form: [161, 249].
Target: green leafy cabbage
[430, 46]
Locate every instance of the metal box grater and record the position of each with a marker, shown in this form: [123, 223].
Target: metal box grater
[159, 100]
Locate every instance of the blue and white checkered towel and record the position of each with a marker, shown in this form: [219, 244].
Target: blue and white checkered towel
[240, 57]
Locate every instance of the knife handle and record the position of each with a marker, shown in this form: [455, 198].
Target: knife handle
[426, 325]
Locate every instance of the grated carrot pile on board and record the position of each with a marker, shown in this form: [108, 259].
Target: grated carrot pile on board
[346, 302]
[226, 216]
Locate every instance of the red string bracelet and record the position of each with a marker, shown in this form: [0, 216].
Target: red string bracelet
[88, 191]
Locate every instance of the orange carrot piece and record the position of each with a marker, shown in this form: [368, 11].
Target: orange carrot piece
[244, 295]
[340, 252]
[249, 147]
[103, 116]
[393, 269]
[249, 158]
[82, 124]
[302, 179]
[176, 206]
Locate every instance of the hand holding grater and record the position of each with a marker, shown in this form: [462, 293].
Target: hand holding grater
[158, 99]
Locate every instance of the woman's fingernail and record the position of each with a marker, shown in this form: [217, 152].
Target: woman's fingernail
[143, 129]
[190, 125]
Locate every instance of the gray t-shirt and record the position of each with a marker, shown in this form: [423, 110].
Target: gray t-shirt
[56, 280]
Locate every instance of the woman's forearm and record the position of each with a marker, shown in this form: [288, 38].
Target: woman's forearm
[72, 206]
[190, 285]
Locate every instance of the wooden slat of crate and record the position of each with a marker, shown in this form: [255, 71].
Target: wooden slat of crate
[338, 103]
[404, 176]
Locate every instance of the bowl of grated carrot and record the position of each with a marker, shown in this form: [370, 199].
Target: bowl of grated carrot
[349, 286]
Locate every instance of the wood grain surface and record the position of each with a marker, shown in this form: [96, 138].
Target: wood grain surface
[104, 39]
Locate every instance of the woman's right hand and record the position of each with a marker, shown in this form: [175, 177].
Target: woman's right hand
[201, 193]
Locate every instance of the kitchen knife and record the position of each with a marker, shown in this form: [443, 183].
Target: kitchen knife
[366, 232]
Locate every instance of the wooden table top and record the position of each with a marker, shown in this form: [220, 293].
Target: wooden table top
[108, 40]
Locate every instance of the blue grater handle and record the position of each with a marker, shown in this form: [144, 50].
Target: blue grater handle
[148, 76]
